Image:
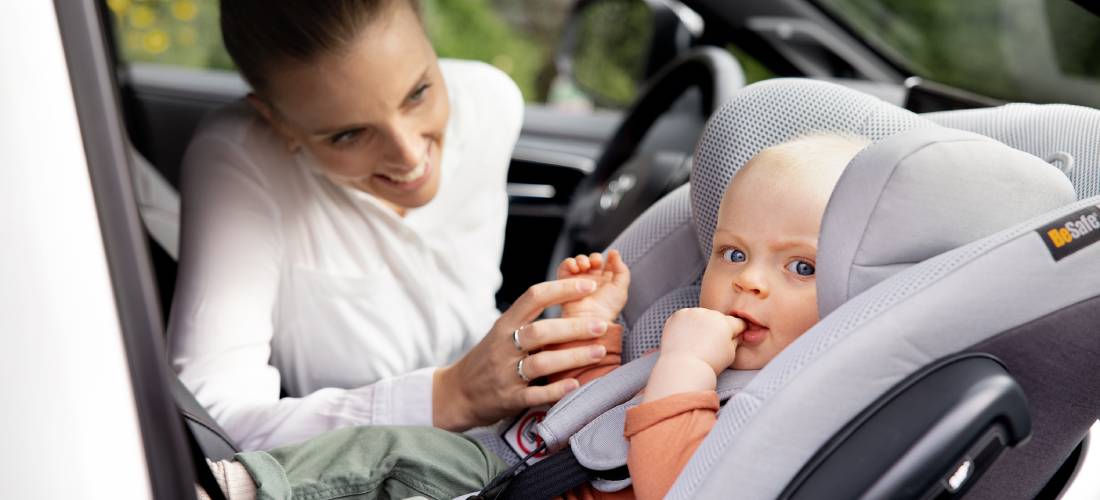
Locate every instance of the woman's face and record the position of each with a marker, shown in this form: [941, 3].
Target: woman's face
[373, 116]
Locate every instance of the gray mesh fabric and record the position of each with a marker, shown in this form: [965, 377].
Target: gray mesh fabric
[771, 112]
[919, 193]
[766, 434]
[1065, 134]
[659, 247]
[645, 334]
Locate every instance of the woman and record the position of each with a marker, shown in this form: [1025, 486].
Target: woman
[342, 231]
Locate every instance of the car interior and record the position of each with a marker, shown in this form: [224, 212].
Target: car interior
[580, 183]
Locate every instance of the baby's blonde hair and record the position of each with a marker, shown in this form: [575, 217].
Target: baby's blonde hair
[818, 158]
[814, 150]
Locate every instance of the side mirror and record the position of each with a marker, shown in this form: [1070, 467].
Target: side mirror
[610, 48]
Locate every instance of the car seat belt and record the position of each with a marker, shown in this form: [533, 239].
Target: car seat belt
[554, 476]
[203, 475]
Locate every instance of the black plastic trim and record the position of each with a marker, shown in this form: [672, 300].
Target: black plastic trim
[962, 408]
[95, 93]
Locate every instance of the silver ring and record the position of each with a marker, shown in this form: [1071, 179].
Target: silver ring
[519, 371]
[515, 338]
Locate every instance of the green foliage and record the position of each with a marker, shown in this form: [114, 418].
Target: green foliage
[754, 70]
[612, 46]
[472, 29]
[186, 33]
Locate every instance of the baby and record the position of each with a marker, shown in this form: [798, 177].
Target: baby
[758, 295]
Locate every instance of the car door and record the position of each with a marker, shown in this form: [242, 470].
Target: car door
[85, 414]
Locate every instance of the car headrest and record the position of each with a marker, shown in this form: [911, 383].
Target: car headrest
[920, 193]
[772, 112]
[1063, 134]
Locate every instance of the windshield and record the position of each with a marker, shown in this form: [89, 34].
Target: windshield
[1016, 50]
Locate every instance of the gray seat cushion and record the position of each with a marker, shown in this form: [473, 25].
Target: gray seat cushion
[920, 193]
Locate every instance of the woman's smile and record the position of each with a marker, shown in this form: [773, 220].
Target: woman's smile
[411, 180]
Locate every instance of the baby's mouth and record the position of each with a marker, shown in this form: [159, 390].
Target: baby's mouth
[754, 332]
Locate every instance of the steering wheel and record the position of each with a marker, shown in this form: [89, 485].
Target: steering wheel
[623, 184]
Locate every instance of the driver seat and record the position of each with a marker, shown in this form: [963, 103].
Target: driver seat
[784, 431]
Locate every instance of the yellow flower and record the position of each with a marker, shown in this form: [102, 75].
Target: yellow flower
[155, 42]
[142, 17]
[118, 6]
[185, 10]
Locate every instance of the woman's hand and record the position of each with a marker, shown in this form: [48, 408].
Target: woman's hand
[484, 386]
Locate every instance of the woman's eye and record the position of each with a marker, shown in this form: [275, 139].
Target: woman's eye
[733, 255]
[343, 138]
[801, 268]
[418, 94]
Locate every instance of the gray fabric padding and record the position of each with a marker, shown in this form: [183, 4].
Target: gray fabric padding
[645, 332]
[600, 445]
[660, 247]
[1044, 130]
[583, 405]
[1046, 358]
[771, 112]
[947, 304]
[919, 193]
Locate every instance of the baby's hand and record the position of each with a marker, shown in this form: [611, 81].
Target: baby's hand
[703, 334]
[612, 278]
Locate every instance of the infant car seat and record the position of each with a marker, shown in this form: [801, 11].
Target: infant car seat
[923, 367]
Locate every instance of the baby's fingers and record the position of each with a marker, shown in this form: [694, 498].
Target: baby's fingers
[583, 263]
[568, 268]
[596, 260]
[616, 265]
[735, 324]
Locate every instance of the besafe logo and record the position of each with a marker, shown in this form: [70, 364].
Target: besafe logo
[1072, 233]
[1074, 229]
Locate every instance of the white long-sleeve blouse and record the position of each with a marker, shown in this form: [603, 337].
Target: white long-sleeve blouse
[289, 280]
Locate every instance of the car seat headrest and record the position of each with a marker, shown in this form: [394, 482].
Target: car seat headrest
[772, 112]
[920, 193]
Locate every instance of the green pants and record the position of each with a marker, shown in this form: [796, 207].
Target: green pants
[373, 462]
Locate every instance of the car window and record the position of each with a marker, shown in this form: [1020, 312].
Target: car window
[1041, 51]
[517, 36]
[514, 35]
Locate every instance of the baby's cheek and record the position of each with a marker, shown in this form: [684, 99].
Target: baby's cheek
[802, 314]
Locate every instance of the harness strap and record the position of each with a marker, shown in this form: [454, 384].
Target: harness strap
[554, 476]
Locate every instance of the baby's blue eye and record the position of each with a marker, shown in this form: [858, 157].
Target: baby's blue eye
[733, 255]
[801, 268]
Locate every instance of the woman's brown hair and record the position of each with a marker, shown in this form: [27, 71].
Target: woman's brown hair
[261, 34]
